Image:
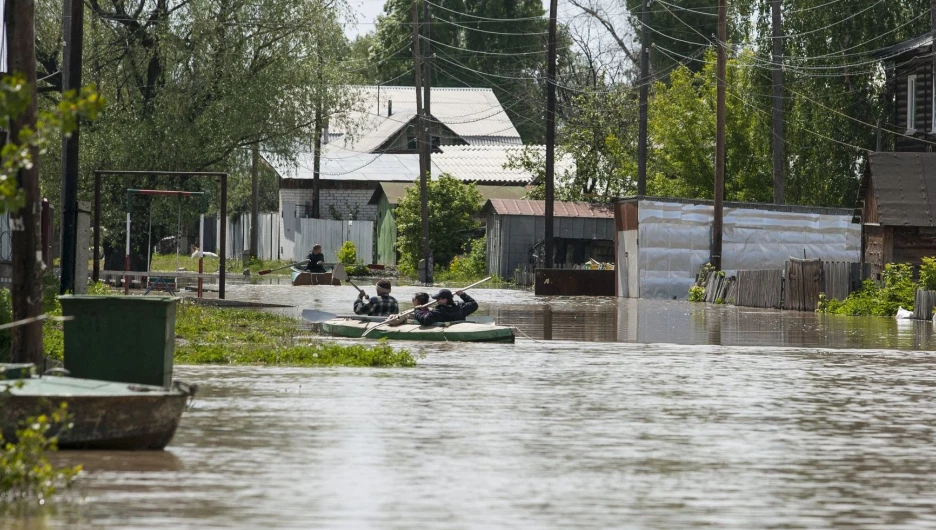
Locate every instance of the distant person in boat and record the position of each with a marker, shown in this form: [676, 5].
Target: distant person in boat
[377, 306]
[448, 310]
[315, 260]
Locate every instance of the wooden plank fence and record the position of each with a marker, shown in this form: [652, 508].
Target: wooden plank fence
[716, 286]
[760, 288]
[923, 304]
[803, 284]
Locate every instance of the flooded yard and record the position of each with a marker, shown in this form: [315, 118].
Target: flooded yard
[605, 413]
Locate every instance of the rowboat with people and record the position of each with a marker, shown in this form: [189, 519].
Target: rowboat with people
[478, 329]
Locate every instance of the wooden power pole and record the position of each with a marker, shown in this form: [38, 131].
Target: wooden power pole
[254, 200]
[24, 224]
[716, 260]
[779, 155]
[73, 32]
[644, 97]
[550, 133]
[427, 143]
[420, 141]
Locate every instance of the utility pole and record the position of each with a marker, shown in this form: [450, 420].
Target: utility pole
[779, 155]
[73, 32]
[716, 260]
[254, 199]
[644, 96]
[427, 141]
[550, 132]
[420, 141]
[24, 224]
[317, 133]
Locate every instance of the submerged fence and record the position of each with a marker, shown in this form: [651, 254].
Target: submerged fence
[797, 286]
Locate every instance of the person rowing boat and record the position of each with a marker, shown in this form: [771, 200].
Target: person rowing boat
[447, 309]
[381, 305]
[315, 258]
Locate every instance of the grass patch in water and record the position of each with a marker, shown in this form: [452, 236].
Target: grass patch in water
[213, 335]
[168, 263]
[325, 354]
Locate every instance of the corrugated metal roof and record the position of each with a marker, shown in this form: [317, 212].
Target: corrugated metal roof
[469, 112]
[902, 47]
[560, 209]
[339, 164]
[396, 190]
[486, 163]
[904, 187]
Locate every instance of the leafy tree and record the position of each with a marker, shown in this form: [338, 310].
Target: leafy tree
[682, 137]
[452, 203]
[193, 85]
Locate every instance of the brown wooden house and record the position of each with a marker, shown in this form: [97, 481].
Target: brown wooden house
[897, 209]
[909, 67]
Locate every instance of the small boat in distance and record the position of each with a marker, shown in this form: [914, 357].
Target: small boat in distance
[303, 277]
[459, 331]
[102, 414]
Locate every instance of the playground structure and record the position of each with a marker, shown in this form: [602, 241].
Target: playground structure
[96, 272]
[201, 236]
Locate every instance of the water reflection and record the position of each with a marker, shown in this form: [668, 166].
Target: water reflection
[610, 319]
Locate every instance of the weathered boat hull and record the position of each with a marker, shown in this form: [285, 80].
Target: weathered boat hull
[445, 332]
[301, 277]
[102, 414]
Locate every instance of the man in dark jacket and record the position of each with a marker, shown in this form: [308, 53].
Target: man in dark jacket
[315, 258]
[448, 310]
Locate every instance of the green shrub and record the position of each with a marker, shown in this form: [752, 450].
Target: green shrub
[357, 270]
[898, 290]
[928, 274]
[347, 254]
[27, 479]
[696, 293]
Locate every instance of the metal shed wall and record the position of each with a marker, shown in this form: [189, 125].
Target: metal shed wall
[510, 237]
[674, 241]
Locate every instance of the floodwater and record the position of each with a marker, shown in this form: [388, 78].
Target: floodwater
[636, 414]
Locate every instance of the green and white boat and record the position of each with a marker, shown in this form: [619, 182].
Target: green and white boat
[102, 414]
[460, 331]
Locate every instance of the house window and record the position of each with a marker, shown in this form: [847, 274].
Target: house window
[911, 102]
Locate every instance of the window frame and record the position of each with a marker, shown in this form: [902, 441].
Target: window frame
[911, 102]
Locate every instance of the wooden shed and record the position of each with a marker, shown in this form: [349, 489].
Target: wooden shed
[516, 227]
[897, 209]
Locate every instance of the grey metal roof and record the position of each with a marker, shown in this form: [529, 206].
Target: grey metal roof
[904, 187]
[902, 47]
[471, 113]
[395, 191]
[486, 163]
[538, 208]
[339, 164]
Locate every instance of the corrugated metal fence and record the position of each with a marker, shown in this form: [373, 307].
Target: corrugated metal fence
[238, 236]
[274, 245]
[331, 235]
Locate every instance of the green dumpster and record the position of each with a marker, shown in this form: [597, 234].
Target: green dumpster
[127, 339]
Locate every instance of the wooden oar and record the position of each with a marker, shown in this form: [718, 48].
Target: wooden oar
[268, 271]
[424, 306]
[341, 275]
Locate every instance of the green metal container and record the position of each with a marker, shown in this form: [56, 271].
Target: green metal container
[126, 339]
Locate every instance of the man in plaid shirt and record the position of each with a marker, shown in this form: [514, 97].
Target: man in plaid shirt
[377, 306]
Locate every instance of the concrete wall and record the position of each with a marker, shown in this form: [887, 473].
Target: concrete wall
[674, 241]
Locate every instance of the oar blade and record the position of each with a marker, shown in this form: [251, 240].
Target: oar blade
[339, 273]
[316, 316]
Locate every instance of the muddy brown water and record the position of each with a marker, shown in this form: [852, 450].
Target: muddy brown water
[636, 414]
